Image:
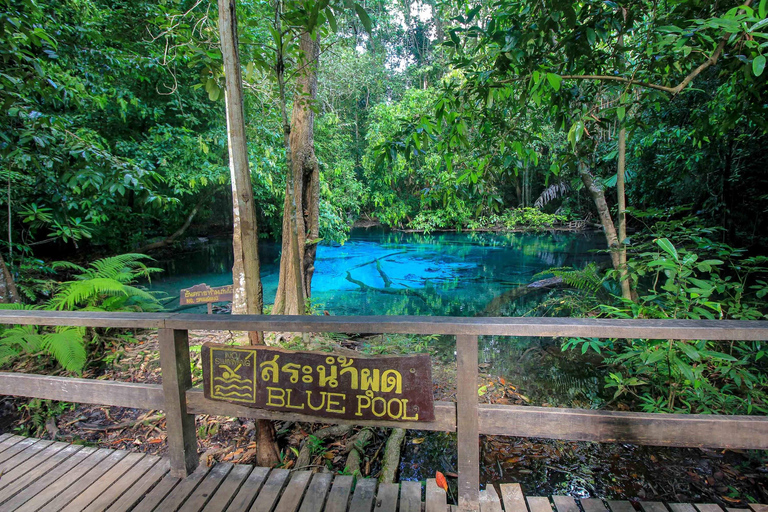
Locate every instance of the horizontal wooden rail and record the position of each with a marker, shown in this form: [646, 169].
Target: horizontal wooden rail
[86, 391]
[681, 430]
[476, 326]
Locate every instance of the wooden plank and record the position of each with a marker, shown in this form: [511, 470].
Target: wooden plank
[137, 491]
[681, 430]
[538, 504]
[26, 461]
[620, 506]
[22, 491]
[84, 318]
[226, 492]
[593, 505]
[158, 493]
[314, 499]
[565, 504]
[207, 488]
[706, 507]
[181, 491]
[338, 498]
[489, 500]
[270, 492]
[37, 468]
[680, 507]
[177, 379]
[294, 492]
[249, 490]
[467, 432]
[445, 414]
[86, 391]
[756, 507]
[733, 509]
[386, 498]
[17, 448]
[74, 481]
[11, 474]
[653, 506]
[410, 496]
[435, 498]
[365, 492]
[3, 438]
[728, 330]
[9, 441]
[91, 487]
[113, 491]
[512, 495]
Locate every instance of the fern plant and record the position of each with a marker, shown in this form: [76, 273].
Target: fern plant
[587, 279]
[105, 285]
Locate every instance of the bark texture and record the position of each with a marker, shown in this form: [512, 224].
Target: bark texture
[603, 212]
[245, 272]
[391, 456]
[626, 288]
[301, 210]
[8, 291]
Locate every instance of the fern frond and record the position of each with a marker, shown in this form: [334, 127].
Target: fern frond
[58, 265]
[74, 293]
[553, 191]
[66, 345]
[585, 279]
[114, 265]
[19, 306]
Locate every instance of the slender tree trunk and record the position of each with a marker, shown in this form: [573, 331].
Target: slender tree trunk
[626, 286]
[301, 210]
[603, 212]
[8, 291]
[245, 272]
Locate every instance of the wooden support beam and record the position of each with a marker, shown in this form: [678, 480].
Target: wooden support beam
[468, 439]
[177, 379]
[86, 391]
[681, 430]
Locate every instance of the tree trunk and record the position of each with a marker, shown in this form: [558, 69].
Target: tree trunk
[8, 291]
[603, 212]
[301, 209]
[245, 272]
[626, 286]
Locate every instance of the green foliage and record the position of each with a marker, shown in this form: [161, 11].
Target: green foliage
[105, 285]
[688, 275]
[36, 412]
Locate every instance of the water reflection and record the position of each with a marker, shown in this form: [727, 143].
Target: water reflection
[381, 272]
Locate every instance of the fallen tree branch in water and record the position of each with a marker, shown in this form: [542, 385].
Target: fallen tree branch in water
[390, 291]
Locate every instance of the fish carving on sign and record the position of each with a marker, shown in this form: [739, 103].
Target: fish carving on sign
[393, 388]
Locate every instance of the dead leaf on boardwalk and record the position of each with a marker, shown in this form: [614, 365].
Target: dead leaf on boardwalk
[440, 479]
[418, 440]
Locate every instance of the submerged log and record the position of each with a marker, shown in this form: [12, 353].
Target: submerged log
[494, 307]
[390, 291]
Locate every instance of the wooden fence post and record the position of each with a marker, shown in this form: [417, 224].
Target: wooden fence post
[467, 430]
[177, 379]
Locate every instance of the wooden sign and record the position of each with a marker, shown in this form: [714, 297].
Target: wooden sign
[204, 294]
[388, 388]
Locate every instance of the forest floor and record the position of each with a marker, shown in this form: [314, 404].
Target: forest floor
[617, 471]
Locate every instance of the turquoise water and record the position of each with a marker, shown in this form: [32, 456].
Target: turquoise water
[380, 272]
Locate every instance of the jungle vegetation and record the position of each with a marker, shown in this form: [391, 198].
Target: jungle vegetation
[646, 119]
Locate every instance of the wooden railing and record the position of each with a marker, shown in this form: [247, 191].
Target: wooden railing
[465, 417]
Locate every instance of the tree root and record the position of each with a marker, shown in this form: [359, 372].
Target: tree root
[302, 460]
[356, 448]
[391, 456]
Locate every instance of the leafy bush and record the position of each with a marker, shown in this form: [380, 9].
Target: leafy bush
[694, 278]
[106, 285]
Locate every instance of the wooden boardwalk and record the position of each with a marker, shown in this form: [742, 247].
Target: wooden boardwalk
[53, 476]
